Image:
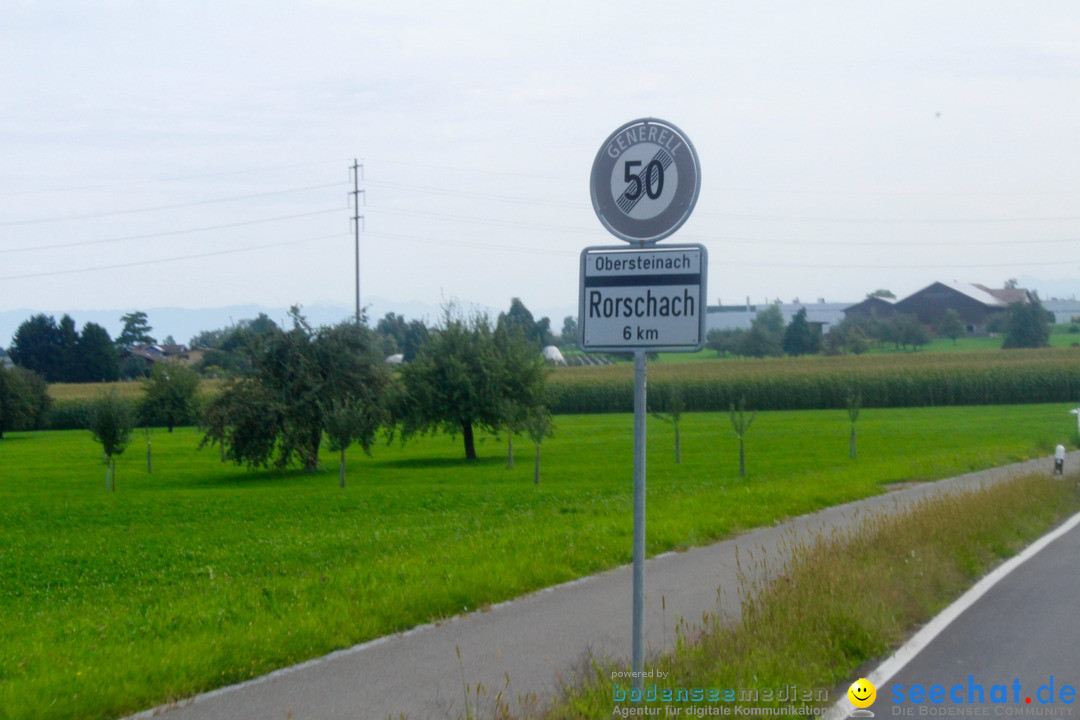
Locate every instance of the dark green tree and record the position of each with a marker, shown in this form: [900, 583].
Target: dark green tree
[416, 335]
[800, 338]
[391, 330]
[68, 336]
[277, 412]
[519, 320]
[231, 350]
[98, 359]
[24, 399]
[170, 395]
[111, 422]
[36, 346]
[136, 331]
[1027, 325]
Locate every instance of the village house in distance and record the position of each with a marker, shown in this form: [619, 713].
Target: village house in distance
[974, 303]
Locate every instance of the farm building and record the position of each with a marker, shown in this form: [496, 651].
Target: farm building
[973, 303]
[733, 317]
[875, 307]
[1064, 310]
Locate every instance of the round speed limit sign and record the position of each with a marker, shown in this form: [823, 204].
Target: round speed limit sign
[645, 180]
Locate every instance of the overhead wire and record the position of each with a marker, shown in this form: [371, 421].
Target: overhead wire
[178, 258]
[167, 233]
[174, 206]
[153, 181]
[524, 225]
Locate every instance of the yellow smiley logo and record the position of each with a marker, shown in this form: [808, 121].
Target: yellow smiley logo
[862, 693]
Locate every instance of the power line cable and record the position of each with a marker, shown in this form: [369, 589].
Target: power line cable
[152, 181]
[167, 233]
[701, 238]
[159, 261]
[727, 262]
[113, 213]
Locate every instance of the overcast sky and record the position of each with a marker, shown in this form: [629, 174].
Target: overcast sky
[197, 154]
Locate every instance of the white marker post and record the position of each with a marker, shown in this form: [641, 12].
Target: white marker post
[644, 185]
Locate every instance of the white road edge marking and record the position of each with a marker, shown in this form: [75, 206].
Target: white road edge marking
[903, 655]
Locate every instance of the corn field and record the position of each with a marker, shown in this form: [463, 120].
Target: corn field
[893, 380]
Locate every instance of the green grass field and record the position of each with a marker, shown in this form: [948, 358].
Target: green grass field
[203, 574]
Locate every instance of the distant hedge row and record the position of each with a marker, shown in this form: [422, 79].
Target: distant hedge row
[74, 414]
[895, 380]
[901, 380]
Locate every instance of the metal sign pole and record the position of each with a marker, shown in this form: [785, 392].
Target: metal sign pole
[644, 185]
[639, 518]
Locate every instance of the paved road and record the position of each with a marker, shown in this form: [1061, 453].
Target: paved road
[525, 646]
[1022, 637]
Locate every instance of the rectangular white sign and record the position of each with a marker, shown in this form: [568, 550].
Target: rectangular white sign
[642, 299]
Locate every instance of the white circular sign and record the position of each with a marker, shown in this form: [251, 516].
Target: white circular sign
[645, 180]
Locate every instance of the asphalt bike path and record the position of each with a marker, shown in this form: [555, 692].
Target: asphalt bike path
[531, 645]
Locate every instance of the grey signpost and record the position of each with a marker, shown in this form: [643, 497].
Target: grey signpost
[643, 298]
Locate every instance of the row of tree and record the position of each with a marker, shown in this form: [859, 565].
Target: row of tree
[1023, 325]
[59, 352]
[301, 385]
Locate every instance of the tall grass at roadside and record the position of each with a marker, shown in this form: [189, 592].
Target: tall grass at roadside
[841, 600]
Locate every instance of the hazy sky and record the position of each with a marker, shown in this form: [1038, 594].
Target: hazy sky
[196, 154]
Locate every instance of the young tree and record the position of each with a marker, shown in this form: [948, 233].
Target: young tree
[854, 403]
[171, 394]
[669, 408]
[741, 424]
[349, 421]
[539, 426]
[111, 421]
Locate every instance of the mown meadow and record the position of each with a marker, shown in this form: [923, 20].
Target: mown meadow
[201, 574]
